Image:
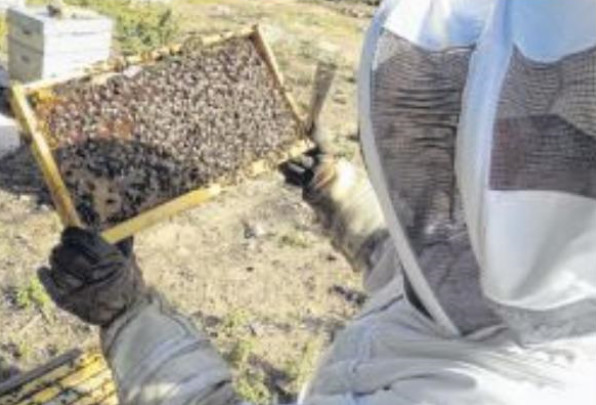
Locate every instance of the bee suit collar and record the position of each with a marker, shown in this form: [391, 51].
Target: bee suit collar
[478, 122]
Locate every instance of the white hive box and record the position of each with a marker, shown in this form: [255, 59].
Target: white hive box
[40, 46]
[10, 139]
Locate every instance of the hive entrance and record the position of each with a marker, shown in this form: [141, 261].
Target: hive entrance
[153, 133]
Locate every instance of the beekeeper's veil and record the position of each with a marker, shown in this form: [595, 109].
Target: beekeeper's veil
[478, 123]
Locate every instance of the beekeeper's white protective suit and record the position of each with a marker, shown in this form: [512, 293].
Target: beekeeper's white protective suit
[483, 291]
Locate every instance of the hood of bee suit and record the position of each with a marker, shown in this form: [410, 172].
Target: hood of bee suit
[478, 124]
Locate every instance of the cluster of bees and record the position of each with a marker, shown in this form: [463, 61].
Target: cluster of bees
[142, 138]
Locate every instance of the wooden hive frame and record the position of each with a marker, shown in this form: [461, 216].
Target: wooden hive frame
[34, 135]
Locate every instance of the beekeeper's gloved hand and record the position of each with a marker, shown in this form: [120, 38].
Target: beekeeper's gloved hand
[91, 278]
[344, 201]
[313, 170]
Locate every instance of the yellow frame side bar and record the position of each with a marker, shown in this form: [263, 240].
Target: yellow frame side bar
[44, 157]
[161, 212]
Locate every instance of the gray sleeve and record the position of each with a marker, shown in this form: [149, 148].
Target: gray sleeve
[159, 357]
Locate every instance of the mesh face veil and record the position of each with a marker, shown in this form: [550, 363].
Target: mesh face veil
[479, 131]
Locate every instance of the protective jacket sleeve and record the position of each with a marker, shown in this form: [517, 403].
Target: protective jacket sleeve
[350, 213]
[158, 357]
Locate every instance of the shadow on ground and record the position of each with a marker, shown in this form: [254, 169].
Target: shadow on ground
[7, 370]
[277, 380]
[20, 175]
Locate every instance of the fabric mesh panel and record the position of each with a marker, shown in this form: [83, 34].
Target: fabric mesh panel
[545, 139]
[416, 104]
[545, 135]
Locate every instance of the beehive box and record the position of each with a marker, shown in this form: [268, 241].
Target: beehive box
[41, 46]
[173, 127]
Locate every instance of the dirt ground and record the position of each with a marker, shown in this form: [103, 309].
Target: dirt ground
[252, 265]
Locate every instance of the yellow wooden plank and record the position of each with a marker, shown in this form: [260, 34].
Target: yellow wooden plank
[111, 400]
[38, 85]
[87, 391]
[106, 391]
[221, 38]
[12, 390]
[158, 214]
[72, 380]
[44, 157]
[37, 384]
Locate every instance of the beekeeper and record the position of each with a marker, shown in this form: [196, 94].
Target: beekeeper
[477, 245]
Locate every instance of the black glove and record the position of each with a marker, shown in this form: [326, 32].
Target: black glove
[300, 171]
[315, 168]
[91, 278]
